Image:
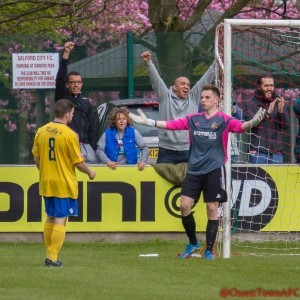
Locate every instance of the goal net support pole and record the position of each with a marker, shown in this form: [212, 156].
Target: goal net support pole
[228, 25]
[227, 109]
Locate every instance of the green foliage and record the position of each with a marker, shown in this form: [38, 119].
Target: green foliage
[115, 271]
[32, 17]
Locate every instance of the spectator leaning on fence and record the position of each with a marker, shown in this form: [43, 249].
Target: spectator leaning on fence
[121, 143]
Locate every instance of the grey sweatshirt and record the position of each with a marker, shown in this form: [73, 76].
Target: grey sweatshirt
[171, 107]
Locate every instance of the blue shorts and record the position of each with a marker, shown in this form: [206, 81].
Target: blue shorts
[61, 207]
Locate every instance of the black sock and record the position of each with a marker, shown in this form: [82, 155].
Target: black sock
[211, 233]
[189, 225]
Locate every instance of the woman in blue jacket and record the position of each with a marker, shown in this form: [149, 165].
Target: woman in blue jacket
[121, 143]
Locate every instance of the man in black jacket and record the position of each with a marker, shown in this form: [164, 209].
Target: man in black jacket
[68, 86]
[266, 144]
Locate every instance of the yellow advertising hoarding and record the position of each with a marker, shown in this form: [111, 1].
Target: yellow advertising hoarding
[128, 200]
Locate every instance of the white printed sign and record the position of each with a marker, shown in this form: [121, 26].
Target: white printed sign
[34, 70]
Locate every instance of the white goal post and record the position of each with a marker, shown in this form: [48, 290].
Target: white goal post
[225, 61]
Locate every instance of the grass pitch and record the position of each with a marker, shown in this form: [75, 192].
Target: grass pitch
[115, 271]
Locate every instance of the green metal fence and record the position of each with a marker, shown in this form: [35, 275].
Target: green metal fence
[110, 71]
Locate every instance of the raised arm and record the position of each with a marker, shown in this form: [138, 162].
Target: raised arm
[207, 78]
[61, 76]
[68, 47]
[157, 83]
